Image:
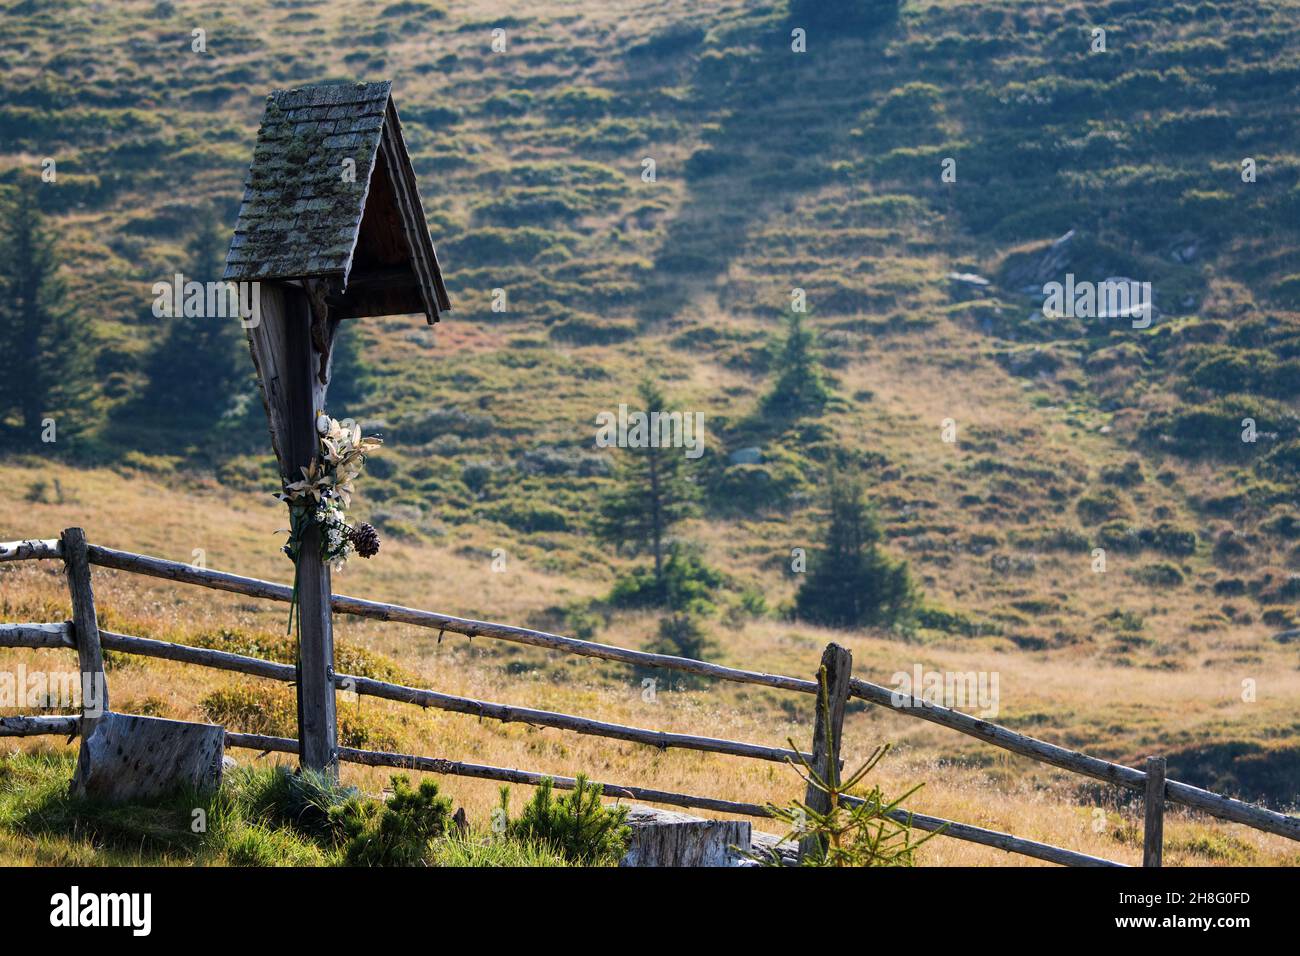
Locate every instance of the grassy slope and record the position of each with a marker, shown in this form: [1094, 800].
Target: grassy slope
[774, 172]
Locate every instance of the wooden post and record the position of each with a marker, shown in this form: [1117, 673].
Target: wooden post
[288, 359]
[1154, 836]
[317, 727]
[90, 656]
[828, 723]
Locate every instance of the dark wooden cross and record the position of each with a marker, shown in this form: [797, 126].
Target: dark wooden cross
[330, 228]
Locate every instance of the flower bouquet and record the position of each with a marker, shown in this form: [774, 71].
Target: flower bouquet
[323, 495]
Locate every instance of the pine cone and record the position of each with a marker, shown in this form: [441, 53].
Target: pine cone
[365, 539]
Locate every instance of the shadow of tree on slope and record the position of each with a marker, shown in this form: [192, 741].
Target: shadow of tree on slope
[782, 119]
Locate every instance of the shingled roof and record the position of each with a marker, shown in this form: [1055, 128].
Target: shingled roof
[303, 217]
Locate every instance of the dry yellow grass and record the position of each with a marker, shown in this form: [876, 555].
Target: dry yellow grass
[1076, 698]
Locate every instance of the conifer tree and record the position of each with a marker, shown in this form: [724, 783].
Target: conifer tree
[850, 581]
[44, 350]
[800, 387]
[681, 635]
[200, 363]
[350, 380]
[652, 492]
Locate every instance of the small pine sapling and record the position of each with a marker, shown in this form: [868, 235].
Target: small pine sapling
[578, 826]
[869, 830]
[399, 833]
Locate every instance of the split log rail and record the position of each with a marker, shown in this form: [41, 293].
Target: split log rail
[83, 635]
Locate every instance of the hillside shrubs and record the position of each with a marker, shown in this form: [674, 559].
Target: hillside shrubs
[493, 245]
[1282, 463]
[1165, 537]
[1159, 575]
[751, 489]
[686, 584]
[580, 102]
[861, 14]
[1102, 504]
[1229, 370]
[529, 517]
[1216, 428]
[251, 708]
[1285, 523]
[949, 621]
[349, 658]
[681, 635]
[668, 41]
[1127, 475]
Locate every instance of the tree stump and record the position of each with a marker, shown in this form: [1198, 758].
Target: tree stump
[665, 838]
[128, 758]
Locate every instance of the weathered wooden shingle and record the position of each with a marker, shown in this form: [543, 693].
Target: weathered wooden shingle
[300, 212]
[304, 202]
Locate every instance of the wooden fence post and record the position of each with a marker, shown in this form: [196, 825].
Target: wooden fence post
[90, 656]
[828, 722]
[1154, 836]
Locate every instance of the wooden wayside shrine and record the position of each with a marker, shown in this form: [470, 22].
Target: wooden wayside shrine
[330, 228]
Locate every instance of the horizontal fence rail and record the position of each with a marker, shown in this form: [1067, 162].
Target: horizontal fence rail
[37, 635]
[63, 726]
[61, 635]
[376, 610]
[993, 838]
[64, 635]
[30, 549]
[400, 761]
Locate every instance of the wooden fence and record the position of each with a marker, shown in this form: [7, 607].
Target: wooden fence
[83, 635]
